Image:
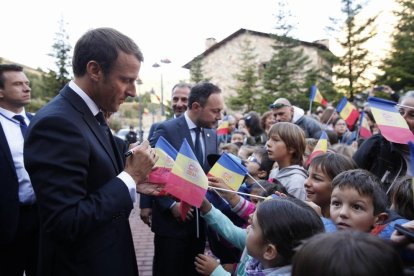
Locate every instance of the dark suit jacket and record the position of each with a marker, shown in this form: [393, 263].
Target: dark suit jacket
[9, 191]
[175, 131]
[83, 206]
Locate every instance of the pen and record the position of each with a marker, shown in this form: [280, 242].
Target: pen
[128, 153]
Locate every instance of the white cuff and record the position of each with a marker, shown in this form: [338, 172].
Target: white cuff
[130, 183]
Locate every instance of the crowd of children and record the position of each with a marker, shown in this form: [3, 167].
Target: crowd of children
[320, 218]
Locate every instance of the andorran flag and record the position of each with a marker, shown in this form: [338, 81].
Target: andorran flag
[347, 112]
[364, 129]
[166, 156]
[228, 169]
[390, 122]
[316, 96]
[223, 128]
[187, 180]
[321, 147]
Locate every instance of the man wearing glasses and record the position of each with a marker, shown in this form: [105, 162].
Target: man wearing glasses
[284, 111]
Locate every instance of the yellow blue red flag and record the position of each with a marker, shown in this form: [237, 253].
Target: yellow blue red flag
[364, 129]
[187, 180]
[223, 128]
[228, 169]
[390, 122]
[321, 147]
[348, 112]
[316, 96]
[166, 158]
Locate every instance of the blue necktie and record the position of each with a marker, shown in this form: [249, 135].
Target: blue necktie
[198, 150]
[104, 126]
[23, 126]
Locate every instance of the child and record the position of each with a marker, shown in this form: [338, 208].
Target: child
[346, 253]
[286, 146]
[237, 138]
[401, 196]
[322, 169]
[270, 188]
[269, 243]
[310, 145]
[245, 151]
[357, 201]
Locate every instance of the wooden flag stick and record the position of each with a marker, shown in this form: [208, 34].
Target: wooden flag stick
[236, 192]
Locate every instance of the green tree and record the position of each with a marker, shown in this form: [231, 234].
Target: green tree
[55, 80]
[196, 70]
[285, 74]
[355, 61]
[398, 66]
[248, 92]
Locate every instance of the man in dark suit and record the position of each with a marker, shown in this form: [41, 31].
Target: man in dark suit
[85, 193]
[176, 242]
[19, 221]
[179, 104]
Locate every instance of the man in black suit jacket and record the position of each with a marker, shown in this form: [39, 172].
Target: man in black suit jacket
[19, 221]
[179, 104]
[176, 241]
[85, 193]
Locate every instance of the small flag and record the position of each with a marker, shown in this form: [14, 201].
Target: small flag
[321, 147]
[390, 122]
[364, 129]
[316, 96]
[228, 169]
[347, 112]
[187, 180]
[223, 128]
[162, 168]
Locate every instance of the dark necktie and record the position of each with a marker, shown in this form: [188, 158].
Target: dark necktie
[104, 126]
[197, 146]
[23, 126]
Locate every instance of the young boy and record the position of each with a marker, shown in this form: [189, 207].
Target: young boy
[357, 201]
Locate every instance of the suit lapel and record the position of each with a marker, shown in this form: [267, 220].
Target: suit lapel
[93, 125]
[4, 146]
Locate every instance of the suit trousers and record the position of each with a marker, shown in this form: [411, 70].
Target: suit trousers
[21, 254]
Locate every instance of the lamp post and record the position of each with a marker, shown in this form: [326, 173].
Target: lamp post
[156, 65]
[141, 131]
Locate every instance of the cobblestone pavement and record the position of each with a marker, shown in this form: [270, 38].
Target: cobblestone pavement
[143, 242]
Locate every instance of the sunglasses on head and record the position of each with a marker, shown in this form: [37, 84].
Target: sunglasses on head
[278, 105]
[253, 159]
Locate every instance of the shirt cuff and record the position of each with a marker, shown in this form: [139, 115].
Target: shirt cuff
[219, 271]
[130, 183]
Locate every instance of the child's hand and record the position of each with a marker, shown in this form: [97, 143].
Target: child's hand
[205, 265]
[315, 207]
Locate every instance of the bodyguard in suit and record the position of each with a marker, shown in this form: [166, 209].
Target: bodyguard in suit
[84, 192]
[19, 226]
[176, 243]
[179, 104]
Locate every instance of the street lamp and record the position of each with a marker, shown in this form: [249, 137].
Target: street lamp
[140, 110]
[156, 65]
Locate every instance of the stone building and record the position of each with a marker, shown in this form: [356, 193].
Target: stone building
[220, 61]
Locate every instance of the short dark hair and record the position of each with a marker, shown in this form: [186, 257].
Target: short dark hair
[266, 164]
[8, 68]
[332, 164]
[296, 221]
[201, 92]
[102, 45]
[345, 253]
[252, 121]
[401, 196]
[366, 183]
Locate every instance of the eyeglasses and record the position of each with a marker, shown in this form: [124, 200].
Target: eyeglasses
[277, 105]
[253, 159]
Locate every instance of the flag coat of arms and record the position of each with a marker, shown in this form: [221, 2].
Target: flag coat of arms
[316, 96]
[321, 147]
[228, 169]
[390, 122]
[166, 158]
[187, 180]
[347, 112]
[364, 129]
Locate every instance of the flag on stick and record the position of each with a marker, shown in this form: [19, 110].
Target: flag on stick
[347, 112]
[390, 122]
[223, 128]
[321, 147]
[228, 169]
[316, 96]
[162, 168]
[364, 129]
[187, 180]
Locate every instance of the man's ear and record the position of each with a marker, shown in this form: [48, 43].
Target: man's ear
[195, 106]
[381, 218]
[94, 70]
[270, 253]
